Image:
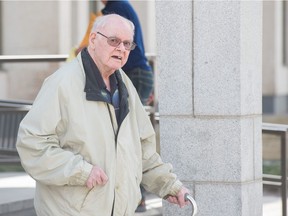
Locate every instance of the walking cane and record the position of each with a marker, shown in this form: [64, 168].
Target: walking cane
[189, 198]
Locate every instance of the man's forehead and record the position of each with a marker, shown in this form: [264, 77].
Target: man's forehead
[118, 21]
[115, 27]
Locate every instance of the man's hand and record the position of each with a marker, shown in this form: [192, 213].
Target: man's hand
[179, 198]
[96, 177]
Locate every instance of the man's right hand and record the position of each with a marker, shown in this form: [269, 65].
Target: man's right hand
[96, 177]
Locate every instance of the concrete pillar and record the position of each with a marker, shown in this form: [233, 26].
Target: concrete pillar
[209, 57]
[65, 26]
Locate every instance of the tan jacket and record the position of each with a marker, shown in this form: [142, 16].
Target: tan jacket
[64, 135]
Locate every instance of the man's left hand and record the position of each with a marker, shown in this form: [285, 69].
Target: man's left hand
[179, 198]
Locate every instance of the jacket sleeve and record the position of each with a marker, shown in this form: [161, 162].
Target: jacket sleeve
[38, 141]
[158, 177]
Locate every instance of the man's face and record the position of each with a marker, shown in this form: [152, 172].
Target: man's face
[108, 57]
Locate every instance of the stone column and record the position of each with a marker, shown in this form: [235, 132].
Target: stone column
[65, 19]
[209, 57]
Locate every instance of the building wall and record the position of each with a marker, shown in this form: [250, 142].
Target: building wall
[28, 28]
[275, 70]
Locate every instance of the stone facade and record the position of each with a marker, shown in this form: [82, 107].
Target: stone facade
[210, 64]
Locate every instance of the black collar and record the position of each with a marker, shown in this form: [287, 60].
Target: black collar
[95, 86]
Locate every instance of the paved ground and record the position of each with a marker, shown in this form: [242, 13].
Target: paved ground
[17, 190]
[272, 205]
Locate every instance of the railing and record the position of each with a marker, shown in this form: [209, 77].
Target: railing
[276, 180]
[11, 114]
[33, 58]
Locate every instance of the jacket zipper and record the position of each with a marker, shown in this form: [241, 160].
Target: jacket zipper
[111, 120]
[115, 139]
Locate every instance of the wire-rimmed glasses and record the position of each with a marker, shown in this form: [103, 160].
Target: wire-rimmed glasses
[115, 42]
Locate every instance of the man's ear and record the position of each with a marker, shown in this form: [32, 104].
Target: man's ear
[92, 39]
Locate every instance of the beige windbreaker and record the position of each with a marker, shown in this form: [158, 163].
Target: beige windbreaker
[64, 135]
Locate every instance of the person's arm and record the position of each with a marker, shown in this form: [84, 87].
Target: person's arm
[38, 145]
[158, 176]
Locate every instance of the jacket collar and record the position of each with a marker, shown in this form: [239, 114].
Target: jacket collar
[95, 86]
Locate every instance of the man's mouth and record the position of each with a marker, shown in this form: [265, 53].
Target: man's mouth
[117, 57]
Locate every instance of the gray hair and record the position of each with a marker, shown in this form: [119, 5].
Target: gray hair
[102, 21]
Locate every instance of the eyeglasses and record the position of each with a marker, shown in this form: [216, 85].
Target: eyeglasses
[115, 42]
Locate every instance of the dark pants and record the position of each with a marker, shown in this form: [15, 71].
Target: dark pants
[143, 81]
[142, 193]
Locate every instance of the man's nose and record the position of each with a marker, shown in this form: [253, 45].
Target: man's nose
[121, 47]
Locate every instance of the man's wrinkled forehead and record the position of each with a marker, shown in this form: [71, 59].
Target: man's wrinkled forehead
[113, 21]
[118, 26]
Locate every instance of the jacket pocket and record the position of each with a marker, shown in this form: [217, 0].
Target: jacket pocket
[76, 196]
[79, 195]
[94, 194]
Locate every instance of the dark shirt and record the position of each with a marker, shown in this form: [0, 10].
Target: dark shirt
[97, 82]
[113, 95]
[137, 56]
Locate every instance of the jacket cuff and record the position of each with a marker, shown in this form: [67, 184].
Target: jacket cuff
[86, 170]
[176, 187]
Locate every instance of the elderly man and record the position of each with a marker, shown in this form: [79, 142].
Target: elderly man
[87, 141]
